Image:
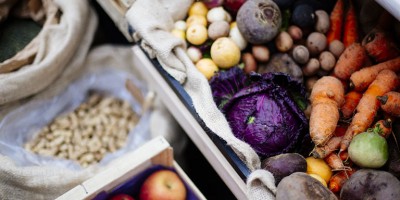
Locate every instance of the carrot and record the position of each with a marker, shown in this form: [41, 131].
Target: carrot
[350, 33]
[361, 79]
[336, 182]
[327, 96]
[330, 146]
[390, 103]
[380, 45]
[368, 106]
[384, 127]
[336, 21]
[334, 161]
[351, 100]
[340, 130]
[344, 156]
[352, 59]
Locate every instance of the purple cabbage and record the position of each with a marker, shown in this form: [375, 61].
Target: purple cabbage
[262, 110]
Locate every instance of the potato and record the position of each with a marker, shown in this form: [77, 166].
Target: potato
[327, 60]
[260, 53]
[301, 186]
[225, 53]
[282, 63]
[259, 21]
[250, 64]
[311, 68]
[336, 47]
[295, 32]
[316, 43]
[196, 34]
[207, 67]
[300, 54]
[323, 22]
[283, 42]
[371, 184]
[284, 164]
[218, 29]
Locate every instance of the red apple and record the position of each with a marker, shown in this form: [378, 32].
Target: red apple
[163, 185]
[122, 197]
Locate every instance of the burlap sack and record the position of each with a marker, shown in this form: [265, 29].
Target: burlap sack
[48, 54]
[153, 22]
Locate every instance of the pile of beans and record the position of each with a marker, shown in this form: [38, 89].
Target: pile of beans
[98, 126]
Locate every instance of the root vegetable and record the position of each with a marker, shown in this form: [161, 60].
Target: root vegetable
[336, 47]
[300, 54]
[301, 186]
[334, 161]
[237, 37]
[339, 179]
[326, 98]
[311, 68]
[336, 22]
[259, 21]
[323, 23]
[207, 67]
[384, 127]
[319, 167]
[361, 79]
[250, 64]
[216, 14]
[194, 54]
[380, 46]
[225, 53]
[303, 16]
[310, 82]
[323, 151]
[284, 164]
[218, 29]
[283, 42]
[198, 8]
[351, 101]
[260, 53]
[368, 106]
[295, 32]
[196, 19]
[282, 63]
[327, 60]
[350, 32]
[316, 43]
[371, 184]
[196, 34]
[352, 59]
[390, 103]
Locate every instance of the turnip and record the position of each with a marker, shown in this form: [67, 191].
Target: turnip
[259, 21]
[369, 150]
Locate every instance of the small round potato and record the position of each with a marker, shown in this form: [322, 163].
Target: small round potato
[250, 64]
[300, 54]
[295, 32]
[327, 60]
[283, 42]
[336, 47]
[316, 43]
[207, 67]
[218, 29]
[260, 53]
[311, 68]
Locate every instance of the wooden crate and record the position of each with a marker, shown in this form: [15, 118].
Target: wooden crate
[155, 152]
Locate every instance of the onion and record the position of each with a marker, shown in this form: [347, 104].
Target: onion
[213, 3]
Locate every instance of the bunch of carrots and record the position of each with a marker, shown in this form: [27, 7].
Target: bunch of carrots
[346, 103]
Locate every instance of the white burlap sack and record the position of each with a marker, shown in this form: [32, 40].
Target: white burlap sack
[153, 22]
[55, 45]
[48, 182]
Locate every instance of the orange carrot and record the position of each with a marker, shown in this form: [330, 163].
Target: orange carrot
[330, 146]
[327, 96]
[350, 33]
[390, 103]
[384, 127]
[352, 59]
[380, 46]
[351, 100]
[336, 182]
[361, 79]
[368, 106]
[334, 161]
[336, 21]
[344, 156]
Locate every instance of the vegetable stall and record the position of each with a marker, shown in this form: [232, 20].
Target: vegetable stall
[305, 78]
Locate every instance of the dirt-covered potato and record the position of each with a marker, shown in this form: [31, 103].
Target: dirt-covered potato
[283, 41]
[316, 43]
[282, 62]
[218, 29]
[371, 184]
[284, 164]
[301, 186]
[323, 22]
